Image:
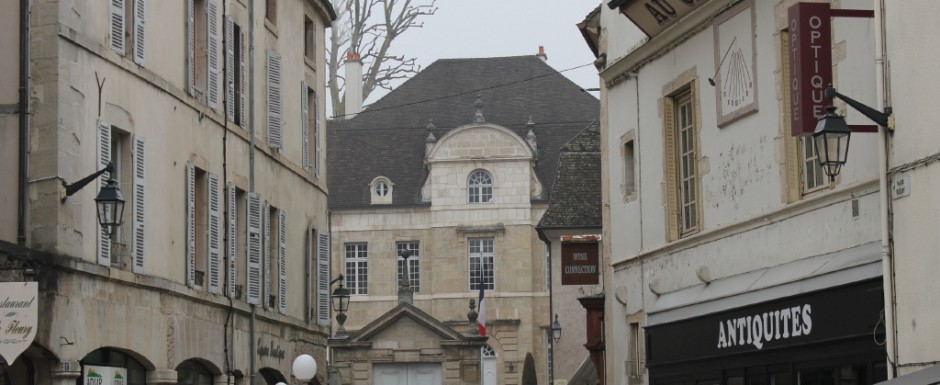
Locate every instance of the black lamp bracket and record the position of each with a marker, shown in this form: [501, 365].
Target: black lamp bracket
[883, 119]
[69, 189]
[339, 278]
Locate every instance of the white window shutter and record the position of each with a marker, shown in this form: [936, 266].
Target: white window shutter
[275, 110]
[305, 124]
[253, 284]
[243, 120]
[212, 28]
[214, 235]
[229, 81]
[231, 238]
[138, 210]
[266, 255]
[139, 16]
[104, 157]
[190, 224]
[316, 133]
[323, 278]
[117, 26]
[310, 273]
[282, 261]
[191, 48]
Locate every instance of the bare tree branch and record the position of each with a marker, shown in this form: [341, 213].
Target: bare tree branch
[369, 27]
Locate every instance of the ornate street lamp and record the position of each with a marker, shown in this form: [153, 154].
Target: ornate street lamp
[340, 302]
[109, 201]
[556, 329]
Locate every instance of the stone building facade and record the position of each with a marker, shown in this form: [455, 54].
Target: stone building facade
[460, 179]
[209, 111]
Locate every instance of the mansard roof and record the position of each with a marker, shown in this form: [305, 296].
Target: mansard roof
[576, 199]
[389, 137]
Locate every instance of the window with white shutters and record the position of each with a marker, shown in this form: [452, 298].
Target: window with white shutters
[190, 224]
[138, 39]
[254, 248]
[213, 234]
[305, 123]
[212, 54]
[323, 278]
[282, 261]
[117, 16]
[274, 100]
[310, 273]
[234, 72]
[104, 157]
[316, 134]
[137, 245]
[266, 270]
[231, 240]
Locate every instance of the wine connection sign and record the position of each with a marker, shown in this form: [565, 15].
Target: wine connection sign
[18, 317]
[579, 261]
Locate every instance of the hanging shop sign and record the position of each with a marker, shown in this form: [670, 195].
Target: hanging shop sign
[846, 312]
[579, 263]
[18, 317]
[104, 375]
[809, 27]
[653, 16]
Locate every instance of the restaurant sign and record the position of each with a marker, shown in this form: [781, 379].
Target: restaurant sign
[18, 317]
[809, 28]
[579, 262]
[104, 375]
[653, 16]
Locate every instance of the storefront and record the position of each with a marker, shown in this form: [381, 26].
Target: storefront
[812, 321]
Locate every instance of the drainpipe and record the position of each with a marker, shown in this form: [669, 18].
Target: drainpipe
[251, 166]
[551, 310]
[887, 262]
[24, 123]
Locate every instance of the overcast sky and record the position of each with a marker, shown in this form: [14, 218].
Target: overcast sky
[492, 28]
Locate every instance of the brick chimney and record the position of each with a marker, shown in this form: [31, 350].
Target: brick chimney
[353, 89]
[541, 54]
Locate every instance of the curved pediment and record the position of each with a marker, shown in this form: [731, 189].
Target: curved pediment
[479, 141]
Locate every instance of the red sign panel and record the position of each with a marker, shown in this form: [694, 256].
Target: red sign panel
[579, 263]
[810, 64]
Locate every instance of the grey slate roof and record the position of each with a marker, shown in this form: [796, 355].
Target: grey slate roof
[576, 201]
[388, 138]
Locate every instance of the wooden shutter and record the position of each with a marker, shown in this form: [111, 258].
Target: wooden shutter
[229, 82]
[316, 133]
[310, 273]
[282, 261]
[266, 255]
[138, 209]
[231, 240]
[214, 235]
[117, 26]
[305, 124]
[323, 278]
[671, 168]
[190, 224]
[275, 107]
[242, 120]
[212, 32]
[104, 157]
[139, 15]
[253, 284]
[191, 48]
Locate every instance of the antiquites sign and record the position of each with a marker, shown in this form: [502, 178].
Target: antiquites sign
[765, 327]
[579, 263]
[18, 317]
[810, 29]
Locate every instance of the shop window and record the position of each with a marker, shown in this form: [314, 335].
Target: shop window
[105, 357]
[191, 372]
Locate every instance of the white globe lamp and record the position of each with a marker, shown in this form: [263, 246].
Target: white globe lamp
[305, 368]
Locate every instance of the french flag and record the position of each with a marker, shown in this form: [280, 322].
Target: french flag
[481, 317]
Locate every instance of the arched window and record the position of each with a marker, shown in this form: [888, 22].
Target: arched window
[480, 187]
[488, 351]
[381, 190]
[191, 372]
[112, 358]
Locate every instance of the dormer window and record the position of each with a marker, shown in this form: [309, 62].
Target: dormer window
[381, 191]
[480, 187]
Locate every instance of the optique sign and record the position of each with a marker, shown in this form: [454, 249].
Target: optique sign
[810, 64]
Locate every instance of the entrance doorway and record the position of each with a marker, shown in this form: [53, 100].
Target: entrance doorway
[488, 356]
[407, 374]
